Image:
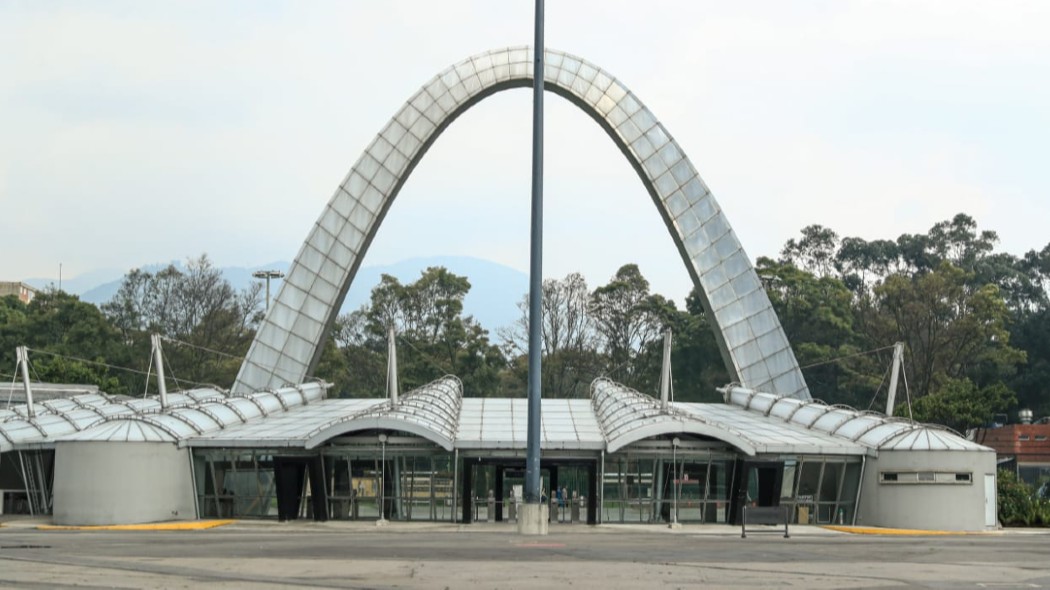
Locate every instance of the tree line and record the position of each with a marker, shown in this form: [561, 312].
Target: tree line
[975, 323]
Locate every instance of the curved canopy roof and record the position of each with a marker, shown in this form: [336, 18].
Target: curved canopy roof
[141, 430]
[871, 429]
[431, 411]
[627, 416]
[99, 417]
[59, 418]
[209, 414]
[613, 418]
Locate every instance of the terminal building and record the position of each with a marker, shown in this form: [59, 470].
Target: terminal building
[274, 446]
[434, 455]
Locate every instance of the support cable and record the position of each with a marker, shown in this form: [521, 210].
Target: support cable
[170, 369]
[425, 356]
[879, 388]
[109, 366]
[11, 392]
[907, 392]
[204, 348]
[824, 362]
[149, 371]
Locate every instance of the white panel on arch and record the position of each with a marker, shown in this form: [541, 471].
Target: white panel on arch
[752, 342]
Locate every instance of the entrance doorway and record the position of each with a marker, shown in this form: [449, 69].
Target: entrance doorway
[489, 486]
[756, 483]
[290, 477]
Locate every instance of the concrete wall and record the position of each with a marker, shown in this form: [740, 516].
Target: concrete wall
[928, 506]
[122, 483]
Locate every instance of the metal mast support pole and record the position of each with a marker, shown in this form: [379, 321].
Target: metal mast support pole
[665, 371]
[391, 366]
[158, 359]
[22, 356]
[898, 354]
[534, 517]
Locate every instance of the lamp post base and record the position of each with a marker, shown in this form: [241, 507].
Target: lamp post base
[533, 519]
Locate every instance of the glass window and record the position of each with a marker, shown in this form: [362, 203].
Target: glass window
[787, 487]
[829, 485]
[809, 480]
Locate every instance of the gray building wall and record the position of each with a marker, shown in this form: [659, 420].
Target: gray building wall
[98, 483]
[927, 506]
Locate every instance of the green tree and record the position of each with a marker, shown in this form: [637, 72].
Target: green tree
[70, 341]
[951, 330]
[434, 337]
[815, 251]
[570, 343]
[630, 320]
[210, 323]
[960, 404]
[696, 362]
[818, 317]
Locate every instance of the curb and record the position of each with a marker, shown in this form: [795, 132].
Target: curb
[861, 530]
[193, 525]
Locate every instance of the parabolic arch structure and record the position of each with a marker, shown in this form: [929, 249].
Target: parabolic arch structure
[749, 335]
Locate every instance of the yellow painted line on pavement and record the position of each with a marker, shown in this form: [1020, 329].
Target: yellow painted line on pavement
[188, 525]
[863, 530]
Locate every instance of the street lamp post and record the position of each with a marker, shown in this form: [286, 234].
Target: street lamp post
[267, 275]
[533, 520]
[382, 484]
[674, 481]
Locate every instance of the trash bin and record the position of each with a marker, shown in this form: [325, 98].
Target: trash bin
[575, 510]
[803, 515]
[513, 509]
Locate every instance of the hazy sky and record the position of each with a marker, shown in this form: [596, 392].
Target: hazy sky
[139, 132]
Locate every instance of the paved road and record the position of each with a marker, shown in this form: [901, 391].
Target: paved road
[340, 555]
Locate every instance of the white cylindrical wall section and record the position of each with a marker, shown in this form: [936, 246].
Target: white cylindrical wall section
[927, 490]
[103, 483]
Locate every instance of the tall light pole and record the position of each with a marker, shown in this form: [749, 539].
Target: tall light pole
[268, 274]
[382, 484]
[674, 481]
[532, 446]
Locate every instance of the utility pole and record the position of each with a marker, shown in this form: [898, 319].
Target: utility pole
[533, 520]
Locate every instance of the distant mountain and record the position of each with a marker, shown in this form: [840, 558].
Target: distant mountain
[495, 289]
[80, 283]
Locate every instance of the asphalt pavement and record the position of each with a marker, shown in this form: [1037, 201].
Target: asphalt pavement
[266, 554]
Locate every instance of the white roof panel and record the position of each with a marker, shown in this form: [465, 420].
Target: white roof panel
[872, 430]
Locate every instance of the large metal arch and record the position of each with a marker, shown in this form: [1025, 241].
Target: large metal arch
[753, 345]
